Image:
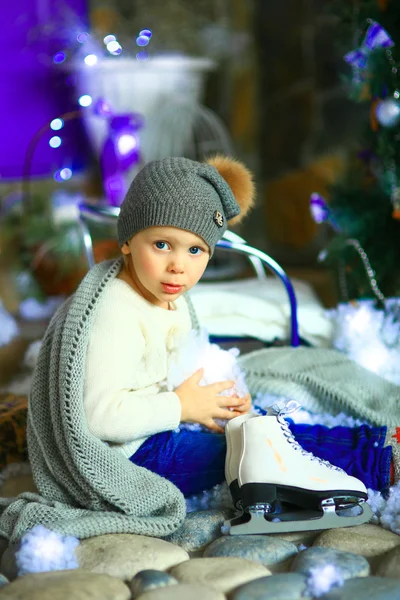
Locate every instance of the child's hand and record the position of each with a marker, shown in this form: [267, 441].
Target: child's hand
[245, 406]
[202, 404]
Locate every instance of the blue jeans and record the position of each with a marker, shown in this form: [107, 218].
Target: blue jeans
[195, 460]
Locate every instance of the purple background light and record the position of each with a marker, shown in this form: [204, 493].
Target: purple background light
[319, 208]
[120, 152]
[35, 33]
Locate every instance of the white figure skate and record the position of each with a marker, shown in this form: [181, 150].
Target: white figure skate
[233, 435]
[281, 487]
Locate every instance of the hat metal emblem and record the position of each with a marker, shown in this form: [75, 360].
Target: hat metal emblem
[218, 218]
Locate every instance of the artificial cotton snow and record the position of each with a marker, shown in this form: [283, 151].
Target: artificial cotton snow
[195, 352]
[386, 509]
[44, 550]
[322, 579]
[217, 497]
[370, 336]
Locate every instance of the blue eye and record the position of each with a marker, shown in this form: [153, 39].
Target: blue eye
[195, 250]
[161, 245]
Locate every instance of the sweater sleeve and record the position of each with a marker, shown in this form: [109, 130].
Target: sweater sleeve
[116, 409]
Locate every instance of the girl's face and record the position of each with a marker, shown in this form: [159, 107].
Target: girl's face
[164, 262]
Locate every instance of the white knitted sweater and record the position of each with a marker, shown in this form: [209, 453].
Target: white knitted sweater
[127, 360]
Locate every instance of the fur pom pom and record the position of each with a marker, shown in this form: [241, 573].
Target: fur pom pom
[239, 179]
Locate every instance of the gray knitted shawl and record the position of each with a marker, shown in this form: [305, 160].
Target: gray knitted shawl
[85, 487]
[323, 381]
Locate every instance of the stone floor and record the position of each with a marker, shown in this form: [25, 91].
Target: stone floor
[199, 563]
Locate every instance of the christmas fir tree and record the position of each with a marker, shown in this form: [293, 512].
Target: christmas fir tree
[364, 205]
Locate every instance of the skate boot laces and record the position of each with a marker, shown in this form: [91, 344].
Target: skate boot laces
[290, 407]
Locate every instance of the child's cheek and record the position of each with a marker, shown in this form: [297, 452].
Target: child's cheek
[149, 266]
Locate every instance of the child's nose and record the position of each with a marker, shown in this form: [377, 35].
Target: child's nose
[176, 266]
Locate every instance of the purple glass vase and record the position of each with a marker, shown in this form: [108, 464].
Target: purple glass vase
[120, 152]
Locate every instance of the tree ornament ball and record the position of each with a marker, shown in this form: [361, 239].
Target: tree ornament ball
[388, 112]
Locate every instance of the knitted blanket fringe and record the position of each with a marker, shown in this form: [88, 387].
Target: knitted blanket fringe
[323, 380]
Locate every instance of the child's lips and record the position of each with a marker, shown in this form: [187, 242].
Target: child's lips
[170, 288]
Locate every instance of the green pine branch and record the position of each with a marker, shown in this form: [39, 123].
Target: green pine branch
[362, 200]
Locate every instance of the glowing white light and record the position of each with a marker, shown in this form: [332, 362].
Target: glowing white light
[109, 38]
[90, 60]
[126, 143]
[85, 100]
[55, 141]
[65, 173]
[114, 47]
[57, 124]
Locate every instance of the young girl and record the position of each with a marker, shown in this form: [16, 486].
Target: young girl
[101, 425]
[170, 221]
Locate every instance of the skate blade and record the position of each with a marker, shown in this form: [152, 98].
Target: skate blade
[257, 522]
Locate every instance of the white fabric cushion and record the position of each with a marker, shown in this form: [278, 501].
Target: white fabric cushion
[260, 309]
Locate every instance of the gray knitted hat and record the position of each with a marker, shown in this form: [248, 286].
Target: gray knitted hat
[181, 193]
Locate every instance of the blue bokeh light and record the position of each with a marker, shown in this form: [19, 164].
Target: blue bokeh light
[63, 174]
[82, 37]
[85, 100]
[56, 124]
[114, 48]
[59, 57]
[142, 40]
[146, 32]
[55, 141]
[109, 38]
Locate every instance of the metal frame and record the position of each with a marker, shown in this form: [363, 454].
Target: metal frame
[230, 242]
